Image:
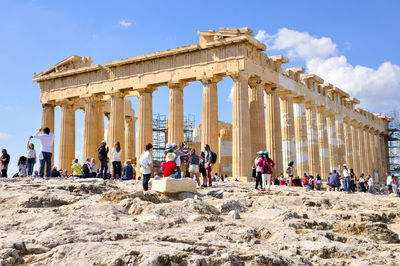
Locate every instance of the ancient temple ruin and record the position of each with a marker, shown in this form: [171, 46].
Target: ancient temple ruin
[302, 119]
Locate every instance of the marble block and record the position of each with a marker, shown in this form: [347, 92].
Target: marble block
[174, 185]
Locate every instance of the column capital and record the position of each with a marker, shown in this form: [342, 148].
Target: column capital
[321, 109]
[285, 94]
[209, 80]
[48, 104]
[130, 118]
[255, 81]
[311, 105]
[68, 101]
[269, 88]
[117, 94]
[238, 75]
[177, 84]
[299, 99]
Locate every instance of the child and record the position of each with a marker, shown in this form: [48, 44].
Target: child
[76, 168]
[35, 173]
[370, 184]
[169, 166]
[22, 166]
[127, 172]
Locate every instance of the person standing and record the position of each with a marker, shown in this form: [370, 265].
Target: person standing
[46, 149]
[93, 168]
[194, 168]
[394, 184]
[370, 184]
[146, 166]
[346, 176]
[389, 183]
[116, 160]
[259, 163]
[103, 151]
[352, 180]
[267, 170]
[361, 182]
[178, 153]
[202, 169]
[290, 171]
[4, 159]
[31, 156]
[208, 163]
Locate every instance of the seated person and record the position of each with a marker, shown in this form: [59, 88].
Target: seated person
[306, 180]
[169, 166]
[296, 182]
[127, 173]
[318, 182]
[334, 180]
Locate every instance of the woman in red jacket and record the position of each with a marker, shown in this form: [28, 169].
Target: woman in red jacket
[266, 165]
[169, 166]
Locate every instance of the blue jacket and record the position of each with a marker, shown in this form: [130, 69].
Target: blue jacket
[334, 179]
[128, 172]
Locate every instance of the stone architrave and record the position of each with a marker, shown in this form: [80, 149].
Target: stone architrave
[288, 130]
[300, 125]
[257, 112]
[241, 135]
[117, 122]
[361, 145]
[348, 144]
[209, 126]
[340, 141]
[175, 115]
[145, 121]
[273, 128]
[355, 148]
[130, 138]
[67, 136]
[312, 133]
[323, 142]
[48, 121]
[333, 153]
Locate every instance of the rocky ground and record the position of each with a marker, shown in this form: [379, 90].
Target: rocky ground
[96, 222]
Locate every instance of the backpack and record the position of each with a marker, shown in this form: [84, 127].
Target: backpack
[288, 171]
[213, 157]
[265, 169]
[85, 168]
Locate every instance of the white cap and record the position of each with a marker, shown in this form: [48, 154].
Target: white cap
[103, 141]
[260, 152]
[174, 145]
[345, 165]
[168, 146]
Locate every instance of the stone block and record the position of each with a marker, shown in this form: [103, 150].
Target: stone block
[174, 185]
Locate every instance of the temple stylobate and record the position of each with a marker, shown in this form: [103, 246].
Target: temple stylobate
[295, 117]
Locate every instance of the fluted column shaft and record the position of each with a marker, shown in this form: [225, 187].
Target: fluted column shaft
[378, 155]
[340, 141]
[67, 137]
[333, 152]
[367, 152]
[48, 121]
[94, 121]
[209, 126]
[288, 131]
[348, 144]
[300, 125]
[323, 142]
[117, 122]
[175, 115]
[273, 129]
[312, 133]
[241, 135]
[384, 153]
[362, 152]
[371, 150]
[257, 121]
[355, 148]
[130, 138]
[100, 124]
[145, 122]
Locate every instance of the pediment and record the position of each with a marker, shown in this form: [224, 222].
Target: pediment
[69, 63]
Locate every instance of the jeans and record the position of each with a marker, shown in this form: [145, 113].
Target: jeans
[347, 183]
[208, 171]
[259, 180]
[146, 179]
[4, 173]
[46, 160]
[30, 163]
[103, 168]
[178, 172]
[117, 169]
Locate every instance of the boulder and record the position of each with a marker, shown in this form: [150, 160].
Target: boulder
[174, 185]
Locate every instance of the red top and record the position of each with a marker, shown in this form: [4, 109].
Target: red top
[169, 168]
[306, 180]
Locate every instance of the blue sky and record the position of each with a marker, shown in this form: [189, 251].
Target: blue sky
[351, 44]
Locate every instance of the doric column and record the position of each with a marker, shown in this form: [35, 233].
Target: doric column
[340, 141]
[361, 145]
[241, 135]
[175, 115]
[67, 136]
[145, 121]
[48, 121]
[109, 133]
[333, 148]
[257, 121]
[288, 130]
[117, 121]
[273, 128]
[367, 155]
[382, 145]
[372, 149]
[355, 147]
[323, 142]
[94, 121]
[300, 125]
[348, 144]
[377, 151]
[312, 133]
[130, 137]
[209, 125]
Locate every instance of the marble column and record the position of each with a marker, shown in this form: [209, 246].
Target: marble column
[67, 137]
[348, 144]
[288, 131]
[257, 121]
[209, 125]
[312, 133]
[100, 124]
[333, 148]
[300, 125]
[117, 122]
[361, 145]
[130, 138]
[109, 144]
[340, 141]
[241, 135]
[145, 121]
[48, 121]
[91, 139]
[384, 154]
[378, 155]
[367, 156]
[323, 143]
[355, 148]
[371, 151]
[273, 129]
[175, 115]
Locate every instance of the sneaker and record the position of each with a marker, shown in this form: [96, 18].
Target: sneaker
[269, 190]
[210, 185]
[262, 189]
[203, 185]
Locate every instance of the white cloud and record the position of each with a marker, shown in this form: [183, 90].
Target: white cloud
[230, 97]
[4, 136]
[377, 89]
[125, 23]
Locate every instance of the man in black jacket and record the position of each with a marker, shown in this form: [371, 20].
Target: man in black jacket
[103, 151]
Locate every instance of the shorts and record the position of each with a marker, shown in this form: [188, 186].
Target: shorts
[194, 168]
[390, 187]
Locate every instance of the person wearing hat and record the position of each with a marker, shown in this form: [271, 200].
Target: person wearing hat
[169, 166]
[268, 164]
[103, 151]
[346, 175]
[178, 153]
[258, 162]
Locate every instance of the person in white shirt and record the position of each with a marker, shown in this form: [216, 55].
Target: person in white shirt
[146, 166]
[346, 178]
[370, 184]
[31, 157]
[389, 183]
[258, 170]
[93, 168]
[46, 149]
[116, 160]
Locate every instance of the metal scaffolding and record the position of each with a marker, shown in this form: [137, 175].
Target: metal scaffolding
[160, 137]
[393, 141]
